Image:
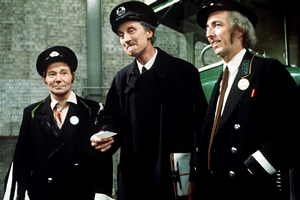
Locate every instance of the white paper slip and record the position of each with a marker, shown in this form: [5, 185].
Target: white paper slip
[105, 134]
[102, 197]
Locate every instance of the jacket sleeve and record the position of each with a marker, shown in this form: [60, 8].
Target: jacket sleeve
[22, 157]
[279, 149]
[199, 110]
[112, 113]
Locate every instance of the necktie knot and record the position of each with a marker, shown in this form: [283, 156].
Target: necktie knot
[144, 69]
[60, 106]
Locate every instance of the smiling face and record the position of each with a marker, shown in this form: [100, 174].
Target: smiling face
[225, 41]
[59, 80]
[134, 39]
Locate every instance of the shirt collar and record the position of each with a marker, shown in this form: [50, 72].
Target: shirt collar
[149, 64]
[71, 99]
[235, 62]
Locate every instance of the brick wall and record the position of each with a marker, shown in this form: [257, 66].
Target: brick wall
[26, 29]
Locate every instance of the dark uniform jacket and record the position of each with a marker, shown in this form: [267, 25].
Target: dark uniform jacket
[60, 164]
[155, 114]
[265, 117]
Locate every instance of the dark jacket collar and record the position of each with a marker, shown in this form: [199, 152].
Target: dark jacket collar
[161, 66]
[43, 113]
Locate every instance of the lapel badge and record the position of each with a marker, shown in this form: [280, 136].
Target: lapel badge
[74, 120]
[243, 84]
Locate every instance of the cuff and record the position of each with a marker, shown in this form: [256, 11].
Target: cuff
[257, 163]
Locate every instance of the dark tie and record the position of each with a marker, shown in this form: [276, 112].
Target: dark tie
[218, 113]
[144, 69]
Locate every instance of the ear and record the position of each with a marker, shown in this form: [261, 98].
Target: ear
[149, 34]
[239, 33]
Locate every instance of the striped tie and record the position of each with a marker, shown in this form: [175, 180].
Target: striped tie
[59, 108]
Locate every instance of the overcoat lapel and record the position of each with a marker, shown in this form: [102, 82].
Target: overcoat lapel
[161, 66]
[44, 116]
[67, 130]
[235, 93]
[132, 75]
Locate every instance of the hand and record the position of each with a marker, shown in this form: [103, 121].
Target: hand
[101, 144]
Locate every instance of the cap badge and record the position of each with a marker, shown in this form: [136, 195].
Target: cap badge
[54, 54]
[121, 11]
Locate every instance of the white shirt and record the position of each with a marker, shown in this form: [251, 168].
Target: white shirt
[149, 64]
[71, 99]
[233, 67]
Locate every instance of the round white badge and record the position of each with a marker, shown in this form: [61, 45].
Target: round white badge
[243, 84]
[74, 120]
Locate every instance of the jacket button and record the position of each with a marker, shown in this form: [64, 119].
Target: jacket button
[231, 174]
[76, 164]
[237, 127]
[233, 150]
[50, 180]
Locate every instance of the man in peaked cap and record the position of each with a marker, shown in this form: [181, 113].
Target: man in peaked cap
[53, 158]
[230, 5]
[153, 111]
[251, 134]
[132, 10]
[56, 54]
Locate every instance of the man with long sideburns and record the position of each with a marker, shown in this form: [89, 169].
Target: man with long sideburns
[251, 133]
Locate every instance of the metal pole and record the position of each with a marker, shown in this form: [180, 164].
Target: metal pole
[287, 46]
[94, 51]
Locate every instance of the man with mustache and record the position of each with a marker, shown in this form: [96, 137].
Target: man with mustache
[251, 134]
[156, 106]
[54, 159]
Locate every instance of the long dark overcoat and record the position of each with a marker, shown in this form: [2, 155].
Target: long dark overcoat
[265, 116]
[155, 114]
[60, 164]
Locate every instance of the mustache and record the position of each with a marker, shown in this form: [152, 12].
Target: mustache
[61, 85]
[130, 44]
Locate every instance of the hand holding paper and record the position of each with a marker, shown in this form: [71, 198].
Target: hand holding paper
[102, 140]
[105, 134]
